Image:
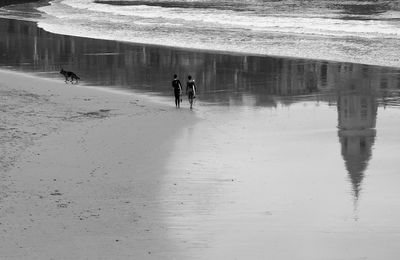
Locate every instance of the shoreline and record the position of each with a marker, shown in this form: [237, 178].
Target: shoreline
[148, 69]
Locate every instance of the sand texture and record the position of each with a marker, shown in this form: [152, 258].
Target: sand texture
[78, 170]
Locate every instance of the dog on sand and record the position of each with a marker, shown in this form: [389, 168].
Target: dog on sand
[69, 74]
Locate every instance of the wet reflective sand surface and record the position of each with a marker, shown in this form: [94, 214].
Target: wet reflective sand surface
[285, 183]
[291, 159]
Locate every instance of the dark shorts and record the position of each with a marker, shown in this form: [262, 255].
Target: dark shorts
[190, 94]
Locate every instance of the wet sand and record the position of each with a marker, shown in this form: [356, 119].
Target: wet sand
[291, 186]
[284, 158]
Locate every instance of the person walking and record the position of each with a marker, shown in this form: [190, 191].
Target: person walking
[176, 85]
[191, 90]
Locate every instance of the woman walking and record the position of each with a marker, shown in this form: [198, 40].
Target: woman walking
[191, 90]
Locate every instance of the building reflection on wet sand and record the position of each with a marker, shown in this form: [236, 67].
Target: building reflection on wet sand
[357, 111]
[222, 79]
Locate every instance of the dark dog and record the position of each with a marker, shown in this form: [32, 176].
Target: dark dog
[69, 74]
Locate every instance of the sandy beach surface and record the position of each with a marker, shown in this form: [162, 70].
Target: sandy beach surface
[80, 169]
[94, 174]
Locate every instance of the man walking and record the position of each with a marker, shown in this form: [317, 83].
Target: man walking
[176, 85]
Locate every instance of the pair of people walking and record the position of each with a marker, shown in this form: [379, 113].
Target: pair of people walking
[190, 90]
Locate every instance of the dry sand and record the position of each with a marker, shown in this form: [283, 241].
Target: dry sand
[79, 169]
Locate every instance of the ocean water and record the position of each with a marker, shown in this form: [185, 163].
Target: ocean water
[365, 32]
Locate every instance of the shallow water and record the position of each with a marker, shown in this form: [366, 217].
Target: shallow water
[291, 158]
[341, 30]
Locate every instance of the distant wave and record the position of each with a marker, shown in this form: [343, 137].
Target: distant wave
[179, 4]
[353, 31]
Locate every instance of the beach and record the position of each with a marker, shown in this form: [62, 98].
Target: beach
[281, 157]
[80, 165]
[93, 173]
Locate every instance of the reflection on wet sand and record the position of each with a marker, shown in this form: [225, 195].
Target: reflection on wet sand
[357, 112]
